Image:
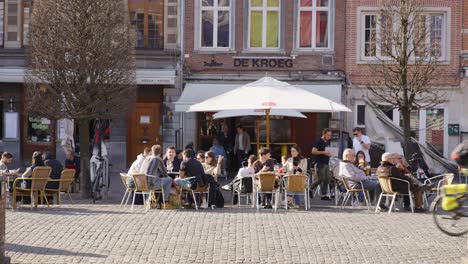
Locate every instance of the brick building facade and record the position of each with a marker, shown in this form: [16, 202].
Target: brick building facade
[230, 43]
[430, 125]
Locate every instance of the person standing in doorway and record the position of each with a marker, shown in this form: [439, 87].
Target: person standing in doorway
[361, 143]
[322, 159]
[241, 145]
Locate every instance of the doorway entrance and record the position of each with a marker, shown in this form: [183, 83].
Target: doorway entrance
[143, 128]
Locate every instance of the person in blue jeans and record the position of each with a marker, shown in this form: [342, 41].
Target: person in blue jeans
[355, 176]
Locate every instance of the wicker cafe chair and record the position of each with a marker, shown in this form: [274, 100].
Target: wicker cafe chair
[266, 185]
[387, 191]
[199, 190]
[39, 178]
[297, 184]
[444, 179]
[128, 190]
[353, 191]
[142, 187]
[67, 177]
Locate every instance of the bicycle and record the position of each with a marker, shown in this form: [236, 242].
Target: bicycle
[449, 212]
[101, 180]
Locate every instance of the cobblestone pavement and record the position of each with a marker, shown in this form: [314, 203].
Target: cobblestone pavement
[104, 233]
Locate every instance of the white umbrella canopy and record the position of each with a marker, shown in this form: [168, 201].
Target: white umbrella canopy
[258, 112]
[268, 93]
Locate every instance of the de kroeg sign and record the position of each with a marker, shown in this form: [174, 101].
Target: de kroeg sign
[263, 63]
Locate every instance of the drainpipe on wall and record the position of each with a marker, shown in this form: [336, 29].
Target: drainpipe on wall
[180, 132]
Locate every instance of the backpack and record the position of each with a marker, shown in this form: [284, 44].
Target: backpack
[216, 197]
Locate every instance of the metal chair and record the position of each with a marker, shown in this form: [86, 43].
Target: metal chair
[39, 178]
[298, 185]
[128, 190]
[237, 191]
[350, 191]
[266, 185]
[198, 190]
[142, 186]
[387, 191]
[444, 179]
[67, 177]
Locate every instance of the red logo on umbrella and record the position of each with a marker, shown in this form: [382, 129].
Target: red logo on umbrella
[269, 104]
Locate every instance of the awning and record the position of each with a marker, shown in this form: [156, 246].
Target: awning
[143, 76]
[199, 92]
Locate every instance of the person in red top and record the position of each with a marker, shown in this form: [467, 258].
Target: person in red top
[73, 162]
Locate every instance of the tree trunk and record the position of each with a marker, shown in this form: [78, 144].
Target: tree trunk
[86, 188]
[409, 150]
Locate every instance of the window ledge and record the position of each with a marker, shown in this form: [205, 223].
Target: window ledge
[214, 51]
[264, 51]
[375, 61]
[312, 52]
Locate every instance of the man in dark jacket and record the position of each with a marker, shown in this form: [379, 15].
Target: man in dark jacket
[57, 167]
[390, 167]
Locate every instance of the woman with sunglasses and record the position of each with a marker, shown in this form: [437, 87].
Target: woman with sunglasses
[213, 166]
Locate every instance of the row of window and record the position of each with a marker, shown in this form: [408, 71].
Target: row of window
[155, 23]
[265, 18]
[156, 26]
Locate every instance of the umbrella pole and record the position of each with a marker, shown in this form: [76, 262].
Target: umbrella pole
[267, 112]
[257, 131]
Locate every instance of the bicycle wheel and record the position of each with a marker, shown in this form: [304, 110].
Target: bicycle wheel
[450, 222]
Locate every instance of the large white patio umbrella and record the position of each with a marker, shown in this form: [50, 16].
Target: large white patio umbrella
[258, 112]
[268, 93]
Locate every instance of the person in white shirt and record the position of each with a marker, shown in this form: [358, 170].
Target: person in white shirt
[136, 165]
[361, 143]
[246, 172]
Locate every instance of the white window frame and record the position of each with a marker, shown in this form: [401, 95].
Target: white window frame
[356, 107]
[314, 8]
[170, 30]
[199, 20]
[362, 12]
[428, 15]
[8, 28]
[264, 8]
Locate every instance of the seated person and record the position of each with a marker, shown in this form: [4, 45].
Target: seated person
[136, 165]
[73, 162]
[153, 165]
[37, 161]
[217, 149]
[361, 160]
[245, 172]
[171, 161]
[201, 156]
[265, 164]
[355, 176]
[390, 167]
[296, 164]
[6, 160]
[211, 166]
[57, 167]
[189, 169]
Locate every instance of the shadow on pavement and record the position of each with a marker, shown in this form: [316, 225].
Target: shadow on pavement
[71, 211]
[47, 251]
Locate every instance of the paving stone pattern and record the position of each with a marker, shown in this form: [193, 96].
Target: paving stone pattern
[104, 233]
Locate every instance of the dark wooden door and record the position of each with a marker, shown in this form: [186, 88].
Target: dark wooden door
[143, 128]
[304, 132]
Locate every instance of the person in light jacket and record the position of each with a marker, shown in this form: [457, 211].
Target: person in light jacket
[296, 164]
